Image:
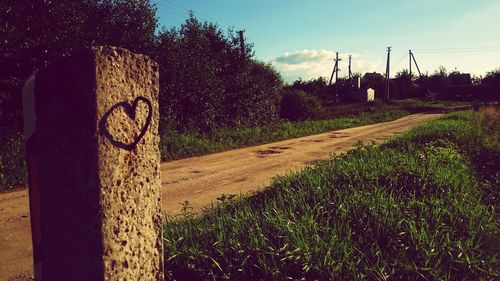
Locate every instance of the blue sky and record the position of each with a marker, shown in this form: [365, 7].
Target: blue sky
[300, 38]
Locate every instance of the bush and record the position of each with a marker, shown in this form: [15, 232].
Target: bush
[297, 105]
[12, 160]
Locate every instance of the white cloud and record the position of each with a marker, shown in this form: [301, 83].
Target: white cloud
[309, 64]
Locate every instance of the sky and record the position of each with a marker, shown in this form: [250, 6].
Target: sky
[300, 38]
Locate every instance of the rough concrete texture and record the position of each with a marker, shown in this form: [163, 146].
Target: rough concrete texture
[101, 218]
[129, 179]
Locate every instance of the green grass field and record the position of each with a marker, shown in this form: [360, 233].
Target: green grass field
[422, 207]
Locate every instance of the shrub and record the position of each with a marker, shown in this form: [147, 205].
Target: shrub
[297, 105]
[12, 160]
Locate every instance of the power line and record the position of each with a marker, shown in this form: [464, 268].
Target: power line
[466, 48]
[399, 61]
[184, 11]
[175, 4]
[170, 9]
[457, 50]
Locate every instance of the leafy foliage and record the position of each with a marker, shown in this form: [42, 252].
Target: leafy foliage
[174, 146]
[317, 87]
[37, 32]
[492, 77]
[207, 83]
[298, 105]
[400, 212]
[34, 33]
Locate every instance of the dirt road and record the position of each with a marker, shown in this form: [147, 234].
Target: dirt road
[200, 180]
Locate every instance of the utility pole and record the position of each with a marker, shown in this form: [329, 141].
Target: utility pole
[337, 77]
[409, 52]
[415, 61]
[242, 43]
[336, 72]
[387, 75]
[350, 72]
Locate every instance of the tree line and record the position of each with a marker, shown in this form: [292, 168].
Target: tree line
[206, 81]
[403, 85]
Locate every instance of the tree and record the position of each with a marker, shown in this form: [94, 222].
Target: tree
[36, 32]
[492, 77]
[403, 83]
[437, 81]
[298, 105]
[317, 87]
[206, 83]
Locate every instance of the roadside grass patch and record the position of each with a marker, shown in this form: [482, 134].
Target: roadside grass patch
[412, 209]
[175, 146]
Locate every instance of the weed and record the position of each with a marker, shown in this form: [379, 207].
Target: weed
[410, 209]
[12, 164]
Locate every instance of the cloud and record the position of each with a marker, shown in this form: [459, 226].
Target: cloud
[308, 64]
[299, 57]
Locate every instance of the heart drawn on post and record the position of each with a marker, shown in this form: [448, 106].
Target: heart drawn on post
[130, 111]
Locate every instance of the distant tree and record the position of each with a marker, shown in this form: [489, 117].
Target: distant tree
[441, 71]
[403, 84]
[438, 80]
[317, 87]
[298, 105]
[476, 80]
[405, 76]
[492, 77]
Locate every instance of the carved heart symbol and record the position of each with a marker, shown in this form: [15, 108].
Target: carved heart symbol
[130, 110]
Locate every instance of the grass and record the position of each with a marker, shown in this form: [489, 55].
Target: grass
[413, 209]
[176, 146]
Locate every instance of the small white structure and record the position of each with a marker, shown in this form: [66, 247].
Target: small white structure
[364, 95]
[356, 82]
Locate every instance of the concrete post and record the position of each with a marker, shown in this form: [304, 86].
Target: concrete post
[98, 167]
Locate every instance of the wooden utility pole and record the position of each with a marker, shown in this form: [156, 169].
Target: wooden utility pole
[387, 75]
[415, 61]
[336, 72]
[242, 43]
[350, 72]
[409, 52]
[337, 77]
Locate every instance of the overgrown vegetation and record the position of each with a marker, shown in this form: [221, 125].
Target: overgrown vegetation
[298, 105]
[175, 145]
[12, 159]
[418, 208]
